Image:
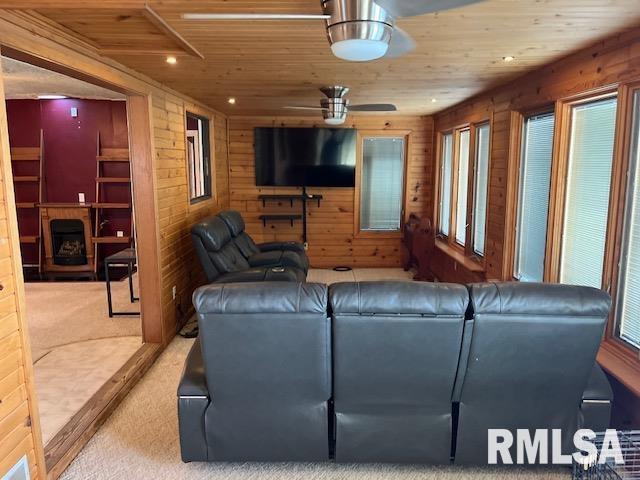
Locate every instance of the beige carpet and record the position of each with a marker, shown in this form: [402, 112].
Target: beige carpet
[61, 313]
[140, 441]
[68, 376]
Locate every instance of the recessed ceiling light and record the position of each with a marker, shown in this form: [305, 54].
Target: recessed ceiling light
[51, 97]
[232, 101]
[508, 58]
[171, 60]
[434, 100]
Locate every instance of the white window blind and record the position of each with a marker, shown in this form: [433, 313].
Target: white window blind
[628, 311]
[382, 181]
[533, 197]
[587, 196]
[445, 183]
[480, 193]
[463, 179]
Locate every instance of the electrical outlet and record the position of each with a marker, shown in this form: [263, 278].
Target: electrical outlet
[119, 234]
[174, 292]
[81, 197]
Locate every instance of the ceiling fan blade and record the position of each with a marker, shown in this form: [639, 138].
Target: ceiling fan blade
[400, 44]
[372, 107]
[303, 107]
[411, 8]
[254, 16]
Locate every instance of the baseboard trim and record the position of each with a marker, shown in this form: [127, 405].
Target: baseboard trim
[68, 442]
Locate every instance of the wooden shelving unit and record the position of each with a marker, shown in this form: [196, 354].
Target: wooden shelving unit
[108, 156]
[31, 155]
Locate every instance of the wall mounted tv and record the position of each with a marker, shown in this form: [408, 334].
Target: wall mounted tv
[305, 157]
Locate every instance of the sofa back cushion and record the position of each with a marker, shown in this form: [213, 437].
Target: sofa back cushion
[243, 241]
[396, 349]
[266, 350]
[532, 348]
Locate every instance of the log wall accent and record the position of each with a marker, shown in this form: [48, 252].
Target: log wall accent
[331, 231]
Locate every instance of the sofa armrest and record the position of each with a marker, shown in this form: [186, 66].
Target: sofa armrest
[193, 382]
[595, 408]
[193, 401]
[598, 387]
[286, 246]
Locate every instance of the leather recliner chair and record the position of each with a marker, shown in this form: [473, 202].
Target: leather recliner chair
[285, 254]
[222, 261]
[528, 362]
[395, 354]
[256, 385]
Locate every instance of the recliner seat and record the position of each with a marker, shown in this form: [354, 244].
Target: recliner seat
[257, 384]
[395, 354]
[285, 254]
[222, 261]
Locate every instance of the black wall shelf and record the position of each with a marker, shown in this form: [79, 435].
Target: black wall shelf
[290, 198]
[279, 218]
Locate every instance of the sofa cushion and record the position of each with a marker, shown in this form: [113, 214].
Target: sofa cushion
[213, 233]
[398, 297]
[261, 297]
[233, 220]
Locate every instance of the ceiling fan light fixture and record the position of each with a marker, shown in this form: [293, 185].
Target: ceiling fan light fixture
[360, 50]
[335, 120]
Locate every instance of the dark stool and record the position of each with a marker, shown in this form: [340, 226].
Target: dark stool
[125, 257]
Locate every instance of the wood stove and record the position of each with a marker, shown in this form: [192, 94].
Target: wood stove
[66, 229]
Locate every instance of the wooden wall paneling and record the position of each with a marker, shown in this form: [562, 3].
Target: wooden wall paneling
[331, 226]
[19, 418]
[163, 152]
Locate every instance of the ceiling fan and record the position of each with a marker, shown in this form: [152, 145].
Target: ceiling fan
[358, 30]
[334, 108]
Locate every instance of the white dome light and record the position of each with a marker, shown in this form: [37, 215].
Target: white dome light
[359, 50]
[334, 121]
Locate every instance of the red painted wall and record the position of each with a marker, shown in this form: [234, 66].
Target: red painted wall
[70, 146]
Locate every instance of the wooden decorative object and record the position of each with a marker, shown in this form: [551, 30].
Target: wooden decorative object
[66, 211]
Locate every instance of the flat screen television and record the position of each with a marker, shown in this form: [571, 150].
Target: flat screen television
[305, 157]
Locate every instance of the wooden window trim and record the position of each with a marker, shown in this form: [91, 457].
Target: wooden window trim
[211, 200]
[455, 249]
[361, 135]
[559, 168]
[471, 188]
[616, 356]
[516, 128]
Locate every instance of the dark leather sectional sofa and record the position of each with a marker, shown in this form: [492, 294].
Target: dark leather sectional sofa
[403, 372]
[228, 254]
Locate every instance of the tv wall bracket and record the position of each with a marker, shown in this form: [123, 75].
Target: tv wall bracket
[304, 197]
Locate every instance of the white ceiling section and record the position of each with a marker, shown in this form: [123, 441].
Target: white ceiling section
[24, 81]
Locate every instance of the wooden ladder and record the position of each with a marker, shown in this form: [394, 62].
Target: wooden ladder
[31, 154]
[108, 156]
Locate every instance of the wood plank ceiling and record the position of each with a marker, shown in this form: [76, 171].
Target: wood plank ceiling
[268, 64]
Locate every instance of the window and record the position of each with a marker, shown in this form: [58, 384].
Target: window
[381, 188]
[628, 311]
[463, 182]
[445, 183]
[586, 207]
[480, 189]
[199, 158]
[533, 197]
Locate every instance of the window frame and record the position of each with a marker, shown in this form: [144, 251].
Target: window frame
[210, 178]
[362, 135]
[616, 355]
[516, 147]
[450, 240]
